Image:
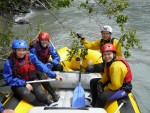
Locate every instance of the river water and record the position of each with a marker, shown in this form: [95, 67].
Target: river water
[89, 26]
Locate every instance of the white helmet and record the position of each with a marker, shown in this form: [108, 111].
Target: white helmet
[106, 28]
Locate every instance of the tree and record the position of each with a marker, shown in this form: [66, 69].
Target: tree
[114, 9]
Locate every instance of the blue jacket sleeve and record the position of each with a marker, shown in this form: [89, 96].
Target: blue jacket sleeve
[55, 56]
[1, 107]
[8, 76]
[33, 51]
[41, 67]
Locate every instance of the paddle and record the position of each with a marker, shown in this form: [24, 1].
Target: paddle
[78, 100]
[119, 107]
[118, 95]
[39, 81]
[31, 82]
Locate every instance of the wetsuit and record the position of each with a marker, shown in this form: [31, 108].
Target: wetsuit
[117, 75]
[18, 83]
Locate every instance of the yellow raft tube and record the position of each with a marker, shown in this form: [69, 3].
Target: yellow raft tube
[93, 57]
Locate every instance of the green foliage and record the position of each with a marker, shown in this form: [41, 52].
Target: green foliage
[86, 5]
[5, 43]
[7, 38]
[111, 8]
[114, 9]
[77, 49]
[62, 3]
[74, 50]
[121, 19]
[128, 41]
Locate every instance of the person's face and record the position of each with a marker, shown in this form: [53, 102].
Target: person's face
[44, 42]
[108, 56]
[105, 35]
[20, 53]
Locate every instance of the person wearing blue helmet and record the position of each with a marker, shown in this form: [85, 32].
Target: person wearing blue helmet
[18, 44]
[21, 67]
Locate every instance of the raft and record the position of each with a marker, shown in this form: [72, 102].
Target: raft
[93, 57]
[65, 89]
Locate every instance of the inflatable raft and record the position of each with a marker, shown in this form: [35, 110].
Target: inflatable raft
[93, 57]
[65, 89]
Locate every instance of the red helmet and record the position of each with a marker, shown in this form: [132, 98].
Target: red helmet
[108, 47]
[44, 35]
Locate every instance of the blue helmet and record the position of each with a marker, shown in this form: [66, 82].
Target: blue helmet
[19, 44]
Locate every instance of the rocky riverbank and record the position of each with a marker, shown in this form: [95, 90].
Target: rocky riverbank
[9, 11]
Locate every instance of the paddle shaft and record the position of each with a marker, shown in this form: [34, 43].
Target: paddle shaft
[39, 81]
[99, 58]
[122, 103]
[31, 82]
[64, 65]
[80, 70]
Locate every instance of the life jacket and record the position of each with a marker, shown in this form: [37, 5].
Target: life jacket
[33, 44]
[23, 70]
[42, 56]
[103, 42]
[128, 76]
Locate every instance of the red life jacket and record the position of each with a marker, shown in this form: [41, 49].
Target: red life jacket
[23, 70]
[42, 56]
[128, 76]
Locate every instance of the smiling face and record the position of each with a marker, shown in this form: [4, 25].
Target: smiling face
[20, 53]
[108, 56]
[105, 35]
[44, 42]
